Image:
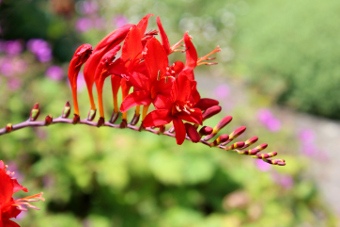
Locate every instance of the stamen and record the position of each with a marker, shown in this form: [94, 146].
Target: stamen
[175, 47]
[178, 108]
[204, 60]
[24, 203]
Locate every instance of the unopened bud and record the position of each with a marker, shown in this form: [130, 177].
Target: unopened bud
[9, 127]
[255, 150]
[279, 162]
[66, 110]
[114, 117]
[76, 119]
[205, 103]
[135, 119]
[192, 132]
[266, 155]
[34, 112]
[100, 122]
[237, 132]
[226, 120]
[234, 146]
[211, 111]
[222, 138]
[205, 130]
[48, 120]
[91, 115]
[123, 124]
[250, 141]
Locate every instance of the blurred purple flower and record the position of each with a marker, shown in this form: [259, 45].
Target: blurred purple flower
[6, 67]
[41, 49]
[55, 72]
[99, 23]
[307, 136]
[307, 139]
[266, 118]
[284, 180]
[80, 82]
[84, 24]
[119, 21]
[88, 7]
[14, 84]
[263, 166]
[10, 66]
[13, 47]
[222, 91]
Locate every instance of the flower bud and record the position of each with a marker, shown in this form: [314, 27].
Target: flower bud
[234, 146]
[9, 127]
[266, 155]
[66, 110]
[192, 132]
[211, 111]
[34, 112]
[91, 115]
[255, 150]
[48, 120]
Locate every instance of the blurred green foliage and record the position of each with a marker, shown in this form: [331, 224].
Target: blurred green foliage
[24, 20]
[288, 49]
[107, 177]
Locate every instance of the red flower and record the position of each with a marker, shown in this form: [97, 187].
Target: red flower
[154, 82]
[105, 45]
[80, 56]
[178, 107]
[9, 207]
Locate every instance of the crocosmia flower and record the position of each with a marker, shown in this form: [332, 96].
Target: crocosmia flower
[157, 86]
[9, 207]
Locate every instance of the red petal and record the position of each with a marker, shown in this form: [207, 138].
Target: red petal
[80, 56]
[162, 102]
[191, 54]
[140, 81]
[132, 45]
[162, 87]
[164, 37]
[179, 130]
[135, 98]
[113, 37]
[156, 60]
[194, 117]
[109, 42]
[9, 223]
[115, 83]
[105, 62]
[157, 118]
[177, 66]
[6, 189]
[181, 90]
[143, 23]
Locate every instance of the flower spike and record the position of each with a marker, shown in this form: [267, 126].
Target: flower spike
[158, 93]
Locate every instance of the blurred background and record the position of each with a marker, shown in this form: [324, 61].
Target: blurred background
[278, 74]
